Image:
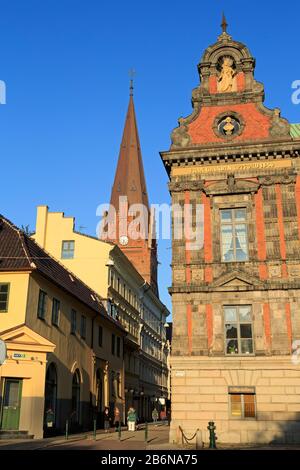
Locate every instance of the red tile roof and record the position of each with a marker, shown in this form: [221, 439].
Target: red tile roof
[18, 252]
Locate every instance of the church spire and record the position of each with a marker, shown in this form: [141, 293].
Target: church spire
[130, 183]
[129, 178]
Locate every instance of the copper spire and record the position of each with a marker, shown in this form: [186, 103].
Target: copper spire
[224, 24]
[129, 178]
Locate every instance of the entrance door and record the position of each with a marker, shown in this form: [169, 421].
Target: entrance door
[11, 404]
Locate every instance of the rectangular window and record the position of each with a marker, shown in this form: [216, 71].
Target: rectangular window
[234, 238]
[55, 312]
[67, 249]
[238, 329]
[118, 346]
[4, 293]
[100, 336]
[242, 405]
[42, 304]
[73, 321]
[83, 327]
[113, 343]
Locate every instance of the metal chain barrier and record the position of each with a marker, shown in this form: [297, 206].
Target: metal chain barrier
[184, 438]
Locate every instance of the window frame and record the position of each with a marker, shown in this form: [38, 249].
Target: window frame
[43, 316]
[113, 344]
[238, 323]
[100, 343]
[118, 354]
[234, 223]
[242, 393]
[67, 250]
[73, 324]
[55, 301]
[83, 325]
[7, 296]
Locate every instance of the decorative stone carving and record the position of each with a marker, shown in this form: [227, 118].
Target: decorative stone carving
[280, 126]
[228, 125]
[226, 82]
[294, 271]
[197, 275]
[187, 185]
[236, 278]
[179, 275]
[180, 137]
[231, 186]
[269, 180]
[275, 271]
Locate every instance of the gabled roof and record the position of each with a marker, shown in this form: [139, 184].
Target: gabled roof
[21, 337]
[18, 252]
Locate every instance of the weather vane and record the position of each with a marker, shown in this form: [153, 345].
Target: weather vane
[131, 76]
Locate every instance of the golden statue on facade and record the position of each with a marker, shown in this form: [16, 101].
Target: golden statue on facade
[227, 78]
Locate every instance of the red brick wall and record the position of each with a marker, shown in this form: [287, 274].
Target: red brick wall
[256, 124]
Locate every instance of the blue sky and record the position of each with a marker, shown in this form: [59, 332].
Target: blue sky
[65, 64]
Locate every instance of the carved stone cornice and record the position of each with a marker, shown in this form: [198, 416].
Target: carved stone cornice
[267, 285]
[231, 186]
[231, 153]
[185, 185]
[285, 178]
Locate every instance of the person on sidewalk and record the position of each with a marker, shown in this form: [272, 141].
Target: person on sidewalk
[106, 419]
[155, 416]
[117, 417]
[131, 419]
[169, 416]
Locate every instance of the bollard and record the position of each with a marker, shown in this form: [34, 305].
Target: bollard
[119, 431]
[146, 431]
[67, 429]
[212, 435]
[199, 442]
[95, 423]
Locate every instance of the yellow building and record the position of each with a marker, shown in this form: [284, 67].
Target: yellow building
[107, 270]
[64, 352]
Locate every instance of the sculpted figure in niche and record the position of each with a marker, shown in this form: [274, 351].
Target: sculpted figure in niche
[227, 77]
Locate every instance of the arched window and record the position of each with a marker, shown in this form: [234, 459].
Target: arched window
[51, 392]
[76, 397]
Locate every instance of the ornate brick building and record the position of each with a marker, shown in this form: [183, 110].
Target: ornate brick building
[236, 301]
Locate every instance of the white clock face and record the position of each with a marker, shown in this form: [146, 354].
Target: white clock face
[123, 240]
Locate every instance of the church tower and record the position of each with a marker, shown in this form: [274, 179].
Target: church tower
[236, 298]
[128, 191]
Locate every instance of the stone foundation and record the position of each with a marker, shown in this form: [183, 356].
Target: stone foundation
[200, 394]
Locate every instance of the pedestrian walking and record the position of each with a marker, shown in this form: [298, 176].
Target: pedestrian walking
[155, 416]
[131, 419]
[106, 419]
[117, 417]
[169, 416]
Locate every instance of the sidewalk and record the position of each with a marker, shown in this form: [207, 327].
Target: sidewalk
[157, 436]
